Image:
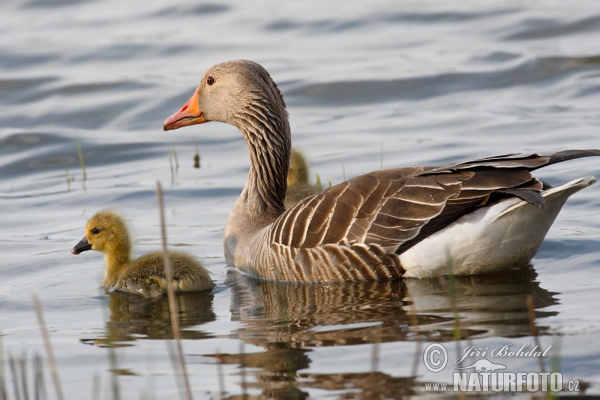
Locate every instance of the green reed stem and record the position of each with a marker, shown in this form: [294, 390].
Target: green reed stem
[176, 159]
[80, 155]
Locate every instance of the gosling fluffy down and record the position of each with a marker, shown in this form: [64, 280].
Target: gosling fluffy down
[107, 232]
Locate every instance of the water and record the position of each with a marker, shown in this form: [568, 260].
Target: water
[367, 86]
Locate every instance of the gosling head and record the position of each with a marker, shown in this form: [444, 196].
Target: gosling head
[230, 92]
[106, 232]
[298, 174]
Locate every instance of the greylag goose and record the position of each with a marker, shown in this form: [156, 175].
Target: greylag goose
[107, 232]
[466, 218]
[298, 185]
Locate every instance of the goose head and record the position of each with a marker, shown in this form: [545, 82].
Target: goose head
[241, 93]
[106, 232]
[234, 92]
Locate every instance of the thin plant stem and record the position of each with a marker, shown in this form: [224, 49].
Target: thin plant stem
[112, 357]
[49, 353]
[81, 162]
[68, 179]
[40, 386]
[3, 394]
[169, 152]
[221, 379]
[23, 366]
[13, 370]
[171, 292]
[534, 330]
[243, 371]
[176, 159]
[415, 323]
[96, 387]
[375, 357]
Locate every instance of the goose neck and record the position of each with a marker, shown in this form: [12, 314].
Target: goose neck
[269, 145]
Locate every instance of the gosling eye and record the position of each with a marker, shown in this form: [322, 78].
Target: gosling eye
[210, 80]
[95, 231]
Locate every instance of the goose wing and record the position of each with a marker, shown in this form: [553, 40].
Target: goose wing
[397, 208]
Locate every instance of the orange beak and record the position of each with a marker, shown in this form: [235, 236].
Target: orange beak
[189, 114]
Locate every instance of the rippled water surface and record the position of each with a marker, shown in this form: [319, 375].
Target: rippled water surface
[367, 86]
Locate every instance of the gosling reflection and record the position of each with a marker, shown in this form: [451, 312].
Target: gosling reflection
[285, 319]
[134, 317]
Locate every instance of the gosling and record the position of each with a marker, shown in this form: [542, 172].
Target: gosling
[298, 185]
[107, 232]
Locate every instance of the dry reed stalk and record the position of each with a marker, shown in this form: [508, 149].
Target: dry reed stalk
[49, 353]
[13, 370]
[171, 292]
[23, 365]
[40, 386]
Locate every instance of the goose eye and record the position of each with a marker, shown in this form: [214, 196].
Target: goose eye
[210, 80]
[95, 231]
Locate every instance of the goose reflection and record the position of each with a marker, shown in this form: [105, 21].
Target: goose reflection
[287, 320]
[134, 317]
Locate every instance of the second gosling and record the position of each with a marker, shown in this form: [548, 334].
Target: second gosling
[298, 185]
[107, 232]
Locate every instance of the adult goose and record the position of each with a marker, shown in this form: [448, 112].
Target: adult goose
[466, 218]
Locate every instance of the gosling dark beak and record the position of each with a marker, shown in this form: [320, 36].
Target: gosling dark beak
[82, 246]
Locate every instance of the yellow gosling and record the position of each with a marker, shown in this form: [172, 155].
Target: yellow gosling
[107, 232]
[298, 186]
[298, 174]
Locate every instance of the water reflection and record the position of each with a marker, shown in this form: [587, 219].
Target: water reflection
[134, 317]
[287, 319]
[275, 373]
